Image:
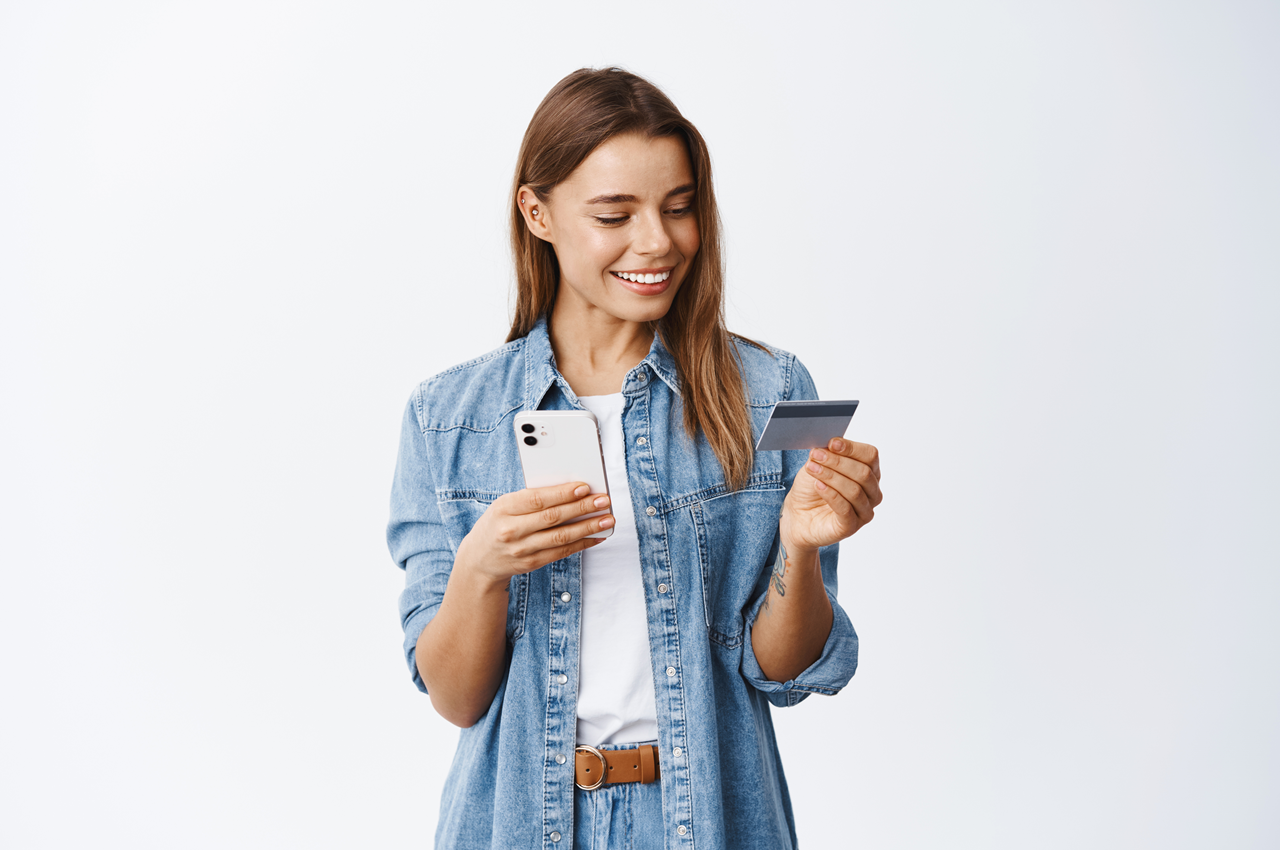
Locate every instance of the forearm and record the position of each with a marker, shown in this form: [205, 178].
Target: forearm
[462, 651]
[795, 620]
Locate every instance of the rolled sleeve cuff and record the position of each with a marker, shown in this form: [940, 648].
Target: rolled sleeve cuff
[412, 631]
[831, 672]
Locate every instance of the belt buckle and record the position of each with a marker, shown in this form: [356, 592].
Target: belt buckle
[604, 767]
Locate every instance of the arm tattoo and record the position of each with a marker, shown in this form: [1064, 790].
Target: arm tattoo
[775, 577]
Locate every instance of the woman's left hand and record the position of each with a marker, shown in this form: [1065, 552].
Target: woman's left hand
[834, 495]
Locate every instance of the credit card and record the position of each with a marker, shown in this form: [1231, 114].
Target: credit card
[805, 424]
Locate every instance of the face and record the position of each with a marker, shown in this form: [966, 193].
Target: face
[623, 227]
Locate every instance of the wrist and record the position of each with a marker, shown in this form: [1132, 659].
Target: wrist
[797, 548]
[473, 580]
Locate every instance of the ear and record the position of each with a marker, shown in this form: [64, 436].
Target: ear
[535, 213]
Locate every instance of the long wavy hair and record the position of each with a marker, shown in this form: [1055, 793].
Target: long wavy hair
[582, 111]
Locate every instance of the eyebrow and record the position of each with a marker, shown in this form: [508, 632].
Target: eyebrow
[631, 199]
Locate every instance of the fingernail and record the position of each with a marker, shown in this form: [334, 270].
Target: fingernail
[813, 467]
[837, 445]
[582, 491]
[819, 455]
[607, 522]
[602, 502]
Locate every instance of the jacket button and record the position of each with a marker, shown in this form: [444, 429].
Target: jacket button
[559, 759]
[671, 671]
[565, 597]
[677, 752]
[555, 836]
[679, 829]
[642, 441]
[562, 678]
[662, 588]
[651, 510]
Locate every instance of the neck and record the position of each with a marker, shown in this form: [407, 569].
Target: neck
[594, 350]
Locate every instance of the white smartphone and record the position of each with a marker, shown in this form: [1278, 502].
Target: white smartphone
[559, 446]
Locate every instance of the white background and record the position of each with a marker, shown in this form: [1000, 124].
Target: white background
[1039, 241]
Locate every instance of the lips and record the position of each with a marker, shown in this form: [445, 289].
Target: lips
[644, 282]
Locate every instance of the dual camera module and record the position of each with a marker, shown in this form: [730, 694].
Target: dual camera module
[529, 440]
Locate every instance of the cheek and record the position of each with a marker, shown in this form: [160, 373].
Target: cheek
[586, 252]
[602, 248]
[687, 239]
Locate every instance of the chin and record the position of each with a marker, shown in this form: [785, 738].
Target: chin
[651, 311]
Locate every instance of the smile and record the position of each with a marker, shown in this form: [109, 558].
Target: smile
[643, 277]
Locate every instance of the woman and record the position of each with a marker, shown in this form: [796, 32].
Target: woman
[651, 659]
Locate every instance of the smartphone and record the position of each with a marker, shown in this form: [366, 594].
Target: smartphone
[559, 446]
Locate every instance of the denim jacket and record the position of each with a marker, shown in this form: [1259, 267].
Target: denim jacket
[705, 554]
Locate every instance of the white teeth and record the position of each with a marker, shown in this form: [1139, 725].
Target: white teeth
[644, 278]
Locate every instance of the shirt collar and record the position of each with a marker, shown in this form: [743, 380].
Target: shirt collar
[541, 371]
[663, 364]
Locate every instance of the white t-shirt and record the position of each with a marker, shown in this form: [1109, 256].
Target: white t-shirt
[616, 703]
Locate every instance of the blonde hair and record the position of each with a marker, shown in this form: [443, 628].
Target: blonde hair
[582, 111]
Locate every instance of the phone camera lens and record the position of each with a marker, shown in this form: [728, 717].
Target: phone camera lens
[531, 441]
[527, 428]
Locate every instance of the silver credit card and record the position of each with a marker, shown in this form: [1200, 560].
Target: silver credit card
[805, 424]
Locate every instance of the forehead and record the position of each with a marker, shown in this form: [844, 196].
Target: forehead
[632, 164]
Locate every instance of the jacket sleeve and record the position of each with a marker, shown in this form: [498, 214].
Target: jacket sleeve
[835, 667]
[416, 536]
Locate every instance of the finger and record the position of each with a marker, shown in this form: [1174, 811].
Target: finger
[519, 532]
[855, 470]
[853, 506]
[565, 551]
[864, 452]
[532, 500]
[861, 495]
[555, 539]
[552, 517]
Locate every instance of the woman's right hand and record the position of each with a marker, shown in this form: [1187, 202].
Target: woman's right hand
[521, 531]
[461, 653]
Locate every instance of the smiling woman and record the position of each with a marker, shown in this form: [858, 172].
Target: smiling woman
[592, 120]
[623, 255]
[615, 690]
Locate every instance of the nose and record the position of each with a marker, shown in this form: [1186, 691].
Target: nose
[652, 238]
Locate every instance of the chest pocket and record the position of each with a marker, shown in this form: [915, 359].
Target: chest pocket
[735, 533]
[460, 511]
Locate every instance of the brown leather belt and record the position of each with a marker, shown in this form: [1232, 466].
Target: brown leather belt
[637, 765]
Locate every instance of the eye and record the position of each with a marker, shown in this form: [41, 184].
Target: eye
[680, 211]
[610, 220]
